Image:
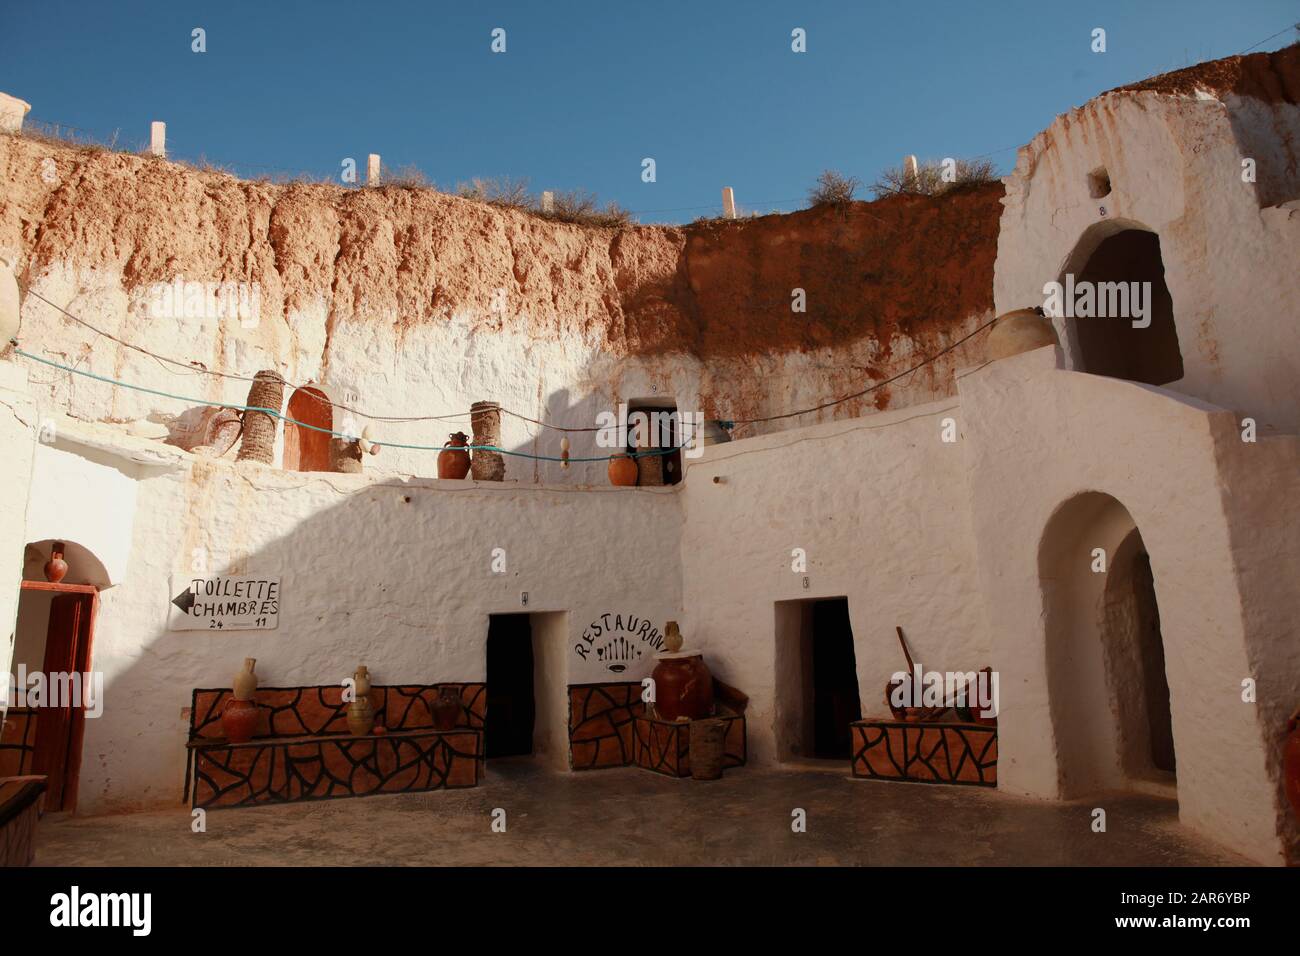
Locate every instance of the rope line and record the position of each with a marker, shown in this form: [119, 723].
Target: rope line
[275, 413]
[872, 388]
[198, 368]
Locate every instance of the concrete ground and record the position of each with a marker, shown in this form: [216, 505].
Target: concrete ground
[630, 816]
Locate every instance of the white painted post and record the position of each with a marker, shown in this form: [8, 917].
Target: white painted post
[548, 201]
[158, 138]
[728, 203]
[372, 169]
[911, 172]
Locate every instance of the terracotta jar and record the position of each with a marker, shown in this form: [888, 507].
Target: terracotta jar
[56, 568]
[452, 463]
[623, 470]
[361, 714]
[1291, 763]
[239, 720]
[446, 709]
[683, 686]
[240, 715]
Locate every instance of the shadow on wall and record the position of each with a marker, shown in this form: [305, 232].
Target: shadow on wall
[396, 575]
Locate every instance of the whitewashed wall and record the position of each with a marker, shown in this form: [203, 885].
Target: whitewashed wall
[1038, 437]
[18, 438]
[879, 507]
[1232, 265]
[393, 574]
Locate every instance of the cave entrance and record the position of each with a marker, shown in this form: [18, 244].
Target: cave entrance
[527, 690]
[817, 679]
[1111, 345]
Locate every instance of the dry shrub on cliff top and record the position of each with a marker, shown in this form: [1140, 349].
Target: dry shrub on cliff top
[929, 179]
[404, 177]
[80, 140]
[833, 189]
[506, 192]
[580, 206]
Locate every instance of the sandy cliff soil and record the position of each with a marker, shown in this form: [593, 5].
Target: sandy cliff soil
[416, 302]
[1271, 77]
[901, 266]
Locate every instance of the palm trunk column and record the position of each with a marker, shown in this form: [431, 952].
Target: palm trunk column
[259, 427]
[485, 420]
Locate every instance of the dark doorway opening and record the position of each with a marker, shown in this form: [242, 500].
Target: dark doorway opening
[511, 703]
[1152, 651]
[665, 431]
[1112, 346]
[835, 701]
[53, 635]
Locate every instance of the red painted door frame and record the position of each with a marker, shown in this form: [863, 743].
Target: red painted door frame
[61, 730]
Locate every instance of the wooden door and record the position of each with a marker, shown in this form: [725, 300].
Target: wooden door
[308, 449]
[60, 724]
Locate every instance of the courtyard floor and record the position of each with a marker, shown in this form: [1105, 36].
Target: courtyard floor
[631, 817]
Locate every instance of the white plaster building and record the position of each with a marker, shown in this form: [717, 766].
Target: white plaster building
[983, 547]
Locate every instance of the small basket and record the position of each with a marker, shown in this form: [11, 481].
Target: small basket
[708, 738]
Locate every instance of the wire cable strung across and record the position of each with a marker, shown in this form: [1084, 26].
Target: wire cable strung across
[316, 428]
[202, 370]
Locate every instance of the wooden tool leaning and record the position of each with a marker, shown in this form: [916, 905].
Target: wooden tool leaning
[920, 714]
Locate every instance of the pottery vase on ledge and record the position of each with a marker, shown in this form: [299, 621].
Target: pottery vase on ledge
[240, 715]
[683, 684]
[56, 568]
[454, 463]
[446, 709]
[623, 470]
[361, 714]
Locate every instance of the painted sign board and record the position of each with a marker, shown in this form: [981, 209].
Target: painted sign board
[223, 603]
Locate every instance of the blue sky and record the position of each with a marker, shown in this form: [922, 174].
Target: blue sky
[585, 90]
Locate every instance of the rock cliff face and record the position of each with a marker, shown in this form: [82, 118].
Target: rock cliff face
[415, 303]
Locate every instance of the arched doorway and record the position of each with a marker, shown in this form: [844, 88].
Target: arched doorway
[1110, 258]
[308, 449]
[56, 687]
[1108, 694]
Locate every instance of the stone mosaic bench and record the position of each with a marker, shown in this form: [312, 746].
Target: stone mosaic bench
[948, 752]
[304, 750]
[608, 727]
[20, 808]
[664, 746]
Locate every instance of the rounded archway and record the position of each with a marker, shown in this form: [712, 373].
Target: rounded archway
[84, 566]
[55, 684]
[1108, 695]
[1120, 314]
[307, 448]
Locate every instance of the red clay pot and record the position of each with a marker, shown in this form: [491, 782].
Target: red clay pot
[683, 686]
[451, 463]
[56, 568]
[1291, 763]
[446, 709]
[239, 720]
[623, 470]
